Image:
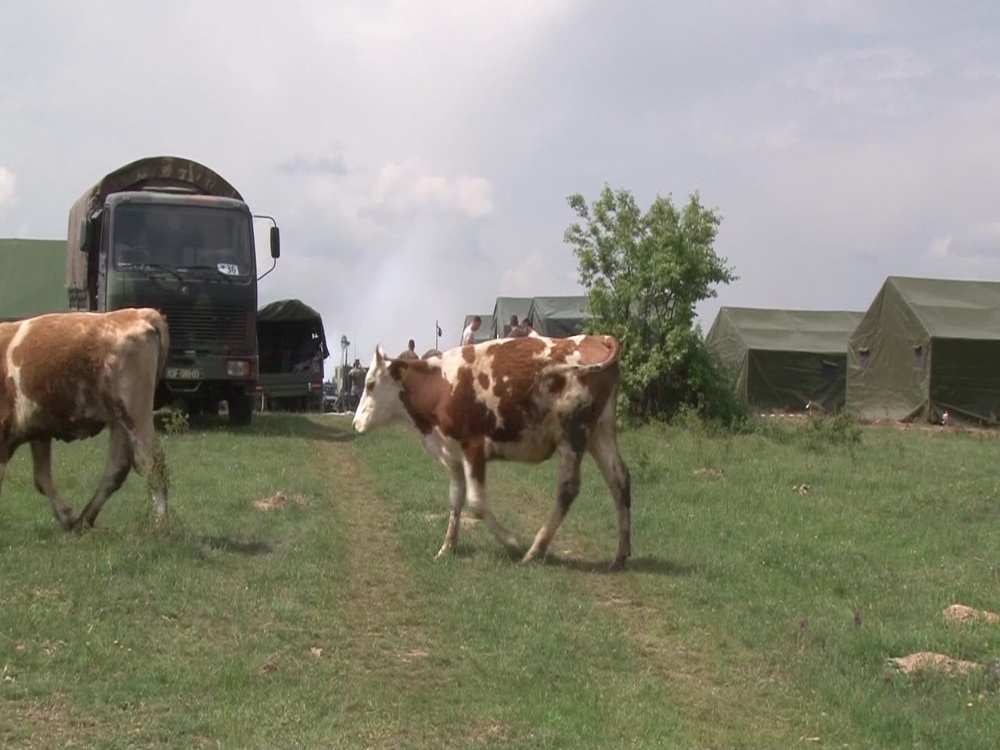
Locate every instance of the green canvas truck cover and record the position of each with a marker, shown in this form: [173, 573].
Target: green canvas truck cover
[294, 311]
[32, 278]
[503, 309]
[781, 360]
[559, 316]
[927, 347]
[149, 172]
[485, 328]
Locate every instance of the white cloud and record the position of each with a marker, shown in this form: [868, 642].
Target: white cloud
[8, 182]
[975, 243]
[940, 248]
[410, 186]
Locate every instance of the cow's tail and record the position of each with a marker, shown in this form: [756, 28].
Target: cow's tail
[162, 329]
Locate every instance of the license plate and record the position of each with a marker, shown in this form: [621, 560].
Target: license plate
[184, 373]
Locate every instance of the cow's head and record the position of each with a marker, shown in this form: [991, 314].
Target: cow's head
[380, 401]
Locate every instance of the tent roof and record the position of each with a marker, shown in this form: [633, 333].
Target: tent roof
[790, 330]
[574, 307]
[951, 308]
[32, 278]
[293, 311]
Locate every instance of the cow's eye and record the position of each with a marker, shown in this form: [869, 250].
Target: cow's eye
[369, 387]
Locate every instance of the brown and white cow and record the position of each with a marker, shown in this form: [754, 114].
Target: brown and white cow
[66, 376]
[518, 399]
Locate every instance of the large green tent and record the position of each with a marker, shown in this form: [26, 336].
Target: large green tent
[559, 316]
[504, 308]
[32, 278]
[926, 347]
[485, 328]
[783, 359]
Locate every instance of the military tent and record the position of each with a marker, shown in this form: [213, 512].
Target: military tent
[32, 278]
[783, 359]
[559, 316]
[485, 329]
[926, 347]
[504, 308]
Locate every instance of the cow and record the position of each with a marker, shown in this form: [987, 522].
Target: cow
[517, 399]
[67, 376]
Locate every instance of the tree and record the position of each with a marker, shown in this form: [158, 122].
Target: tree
[644, 274]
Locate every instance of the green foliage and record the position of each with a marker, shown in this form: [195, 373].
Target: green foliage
[644, 274]
[177, 423]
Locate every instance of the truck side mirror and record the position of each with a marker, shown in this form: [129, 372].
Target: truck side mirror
[275, 243]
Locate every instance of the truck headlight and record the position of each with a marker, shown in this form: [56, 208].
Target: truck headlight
[237, 368]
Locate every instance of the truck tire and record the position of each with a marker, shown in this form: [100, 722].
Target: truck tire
[240, 409]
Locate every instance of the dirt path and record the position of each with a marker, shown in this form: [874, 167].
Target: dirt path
[391, 641]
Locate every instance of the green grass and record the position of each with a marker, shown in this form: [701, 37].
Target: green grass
[329, 623]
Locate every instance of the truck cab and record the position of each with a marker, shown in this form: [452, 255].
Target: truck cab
[188, 252]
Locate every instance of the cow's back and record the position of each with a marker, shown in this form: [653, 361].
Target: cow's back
[522, 392]
[58, 368]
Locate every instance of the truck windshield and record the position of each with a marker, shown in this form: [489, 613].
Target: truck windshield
[213, 241]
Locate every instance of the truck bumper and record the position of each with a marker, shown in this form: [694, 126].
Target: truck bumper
[186, 374]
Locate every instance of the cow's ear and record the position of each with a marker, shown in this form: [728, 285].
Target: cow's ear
[380, 355]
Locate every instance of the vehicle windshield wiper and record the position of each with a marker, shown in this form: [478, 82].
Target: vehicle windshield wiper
[156, 267]
[226, 276]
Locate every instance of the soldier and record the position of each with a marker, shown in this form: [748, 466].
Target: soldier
[411, 351]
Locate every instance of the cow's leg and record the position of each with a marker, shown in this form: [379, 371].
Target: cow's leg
[4, 458]
[41, 457]
[474, 465]
[149, 460]
[604, 448]
[568, 489]
[116, 469]
[456, 494]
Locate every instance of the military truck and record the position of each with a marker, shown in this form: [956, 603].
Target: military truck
[169, 233]
[292, 347]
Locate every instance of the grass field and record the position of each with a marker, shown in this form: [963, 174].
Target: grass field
[774, 575]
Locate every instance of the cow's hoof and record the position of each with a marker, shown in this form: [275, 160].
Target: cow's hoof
[618, 563]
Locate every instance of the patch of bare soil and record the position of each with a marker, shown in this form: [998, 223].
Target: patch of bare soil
[706, 473]
[51, 723]
[928, 660]
[962, 614]
[279, 501]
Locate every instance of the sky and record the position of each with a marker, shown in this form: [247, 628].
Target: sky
[418, 155]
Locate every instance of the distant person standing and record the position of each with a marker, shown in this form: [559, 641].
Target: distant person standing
[356, 377]
[471, 329]
[516, 330]
[512, 323]
[411, 351]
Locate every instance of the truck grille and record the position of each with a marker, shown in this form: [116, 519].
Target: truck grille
[196, 328]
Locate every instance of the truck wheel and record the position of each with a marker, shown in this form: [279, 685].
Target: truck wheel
[240, 409]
